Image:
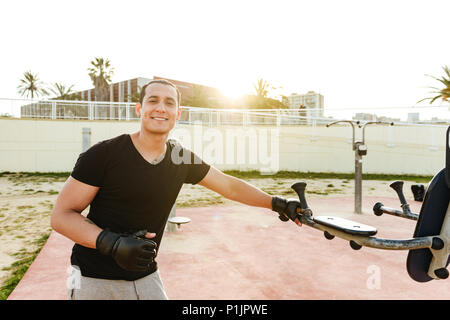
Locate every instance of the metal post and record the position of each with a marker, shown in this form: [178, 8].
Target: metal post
[53, 110]
[358, 180]
[90, 111]
[170, 227]
[111, 97]
[358, 164]
[86, 139]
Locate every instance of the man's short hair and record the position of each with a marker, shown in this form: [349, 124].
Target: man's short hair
[160, 81]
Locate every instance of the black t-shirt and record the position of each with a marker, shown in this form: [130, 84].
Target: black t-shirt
[133, 195]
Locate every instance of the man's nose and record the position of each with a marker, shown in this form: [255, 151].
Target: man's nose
[160, 107]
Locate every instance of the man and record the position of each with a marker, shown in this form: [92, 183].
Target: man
[131, 183]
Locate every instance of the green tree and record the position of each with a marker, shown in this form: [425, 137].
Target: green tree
[134, 97]
[73, 111]
[255, 102]
[63, 92]
[262, 99]
[199, 98]
[261, 89]
[31, 86]
[442, 93]
[100, 73]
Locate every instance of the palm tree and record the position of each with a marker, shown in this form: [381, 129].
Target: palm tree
[100, 73]
[261, 88]
[262, 100]
[30, 85]
[62, 92]
[443, 93]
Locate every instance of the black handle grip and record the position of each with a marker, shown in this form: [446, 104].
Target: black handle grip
[398, 187]
[299, 188]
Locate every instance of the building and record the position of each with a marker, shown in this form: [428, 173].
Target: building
[373, 117]
[312, 102]
[365, 116]
[413, 117]
[117, 92]
[124, 91]
[129, 90]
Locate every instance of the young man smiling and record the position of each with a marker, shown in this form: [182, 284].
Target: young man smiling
[131, 184]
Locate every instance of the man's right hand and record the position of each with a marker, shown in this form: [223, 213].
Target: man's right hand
[288, 209]
[131, 253]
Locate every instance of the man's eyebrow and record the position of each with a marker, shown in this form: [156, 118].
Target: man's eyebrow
[170, 98]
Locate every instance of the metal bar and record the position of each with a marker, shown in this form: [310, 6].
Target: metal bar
[398, 213]
[373, 122]
[372, 242]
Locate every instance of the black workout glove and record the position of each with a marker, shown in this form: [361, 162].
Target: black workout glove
[286, 208]
[131, 252]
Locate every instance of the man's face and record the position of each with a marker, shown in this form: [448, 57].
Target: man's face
[159, 110]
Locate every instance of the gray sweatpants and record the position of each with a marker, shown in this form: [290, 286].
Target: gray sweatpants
[85, 288]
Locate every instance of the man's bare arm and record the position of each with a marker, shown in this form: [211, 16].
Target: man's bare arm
[235, 189]
[238, 190]
[66, 217]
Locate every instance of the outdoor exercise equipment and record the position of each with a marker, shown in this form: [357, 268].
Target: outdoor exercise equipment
[179, 221]
[418, 191]
[360, 149]
[429, 249]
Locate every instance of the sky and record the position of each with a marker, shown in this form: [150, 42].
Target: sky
[357, 54]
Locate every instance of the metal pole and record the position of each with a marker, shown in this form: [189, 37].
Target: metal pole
[53, 110]
[170, 227]
[90, 111]
[86, 139]
[358, 165]
[358, 181]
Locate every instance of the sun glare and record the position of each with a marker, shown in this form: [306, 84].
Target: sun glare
[233, 92]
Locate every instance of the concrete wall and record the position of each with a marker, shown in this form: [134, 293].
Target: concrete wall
[54, 145]
[50, 145]
[391, 150]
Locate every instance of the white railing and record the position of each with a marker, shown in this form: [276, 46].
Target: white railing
[92, 110]
[67, 109]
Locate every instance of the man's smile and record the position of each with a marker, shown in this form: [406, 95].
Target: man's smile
[159, 118]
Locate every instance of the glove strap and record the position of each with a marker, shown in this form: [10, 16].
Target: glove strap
[278, 204]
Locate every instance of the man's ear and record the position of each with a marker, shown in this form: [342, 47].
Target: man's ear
[179, 112]
[138, 109]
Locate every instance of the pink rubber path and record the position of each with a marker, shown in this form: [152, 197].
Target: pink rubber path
[242, 252]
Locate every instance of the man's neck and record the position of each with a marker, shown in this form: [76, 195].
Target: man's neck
[151, 143]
